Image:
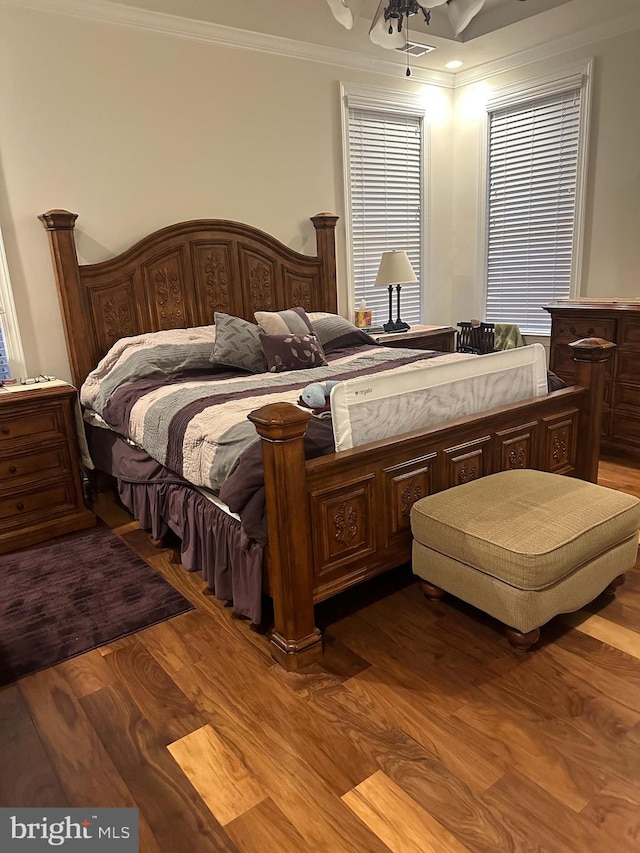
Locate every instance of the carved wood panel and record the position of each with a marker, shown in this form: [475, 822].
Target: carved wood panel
[298, 289]
[404, 485]
[518, 447]
[467, 462]
[213, 273]
[560, 443]
[258, 274]
[342, 523]
[113, 312]
[166, 290]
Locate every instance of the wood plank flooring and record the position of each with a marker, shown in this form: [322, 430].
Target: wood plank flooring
[422, 730]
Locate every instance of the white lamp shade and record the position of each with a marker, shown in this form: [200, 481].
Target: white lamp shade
[2, 311]
[395, 268]
[345, 11]
[379, 31]
[462, 12]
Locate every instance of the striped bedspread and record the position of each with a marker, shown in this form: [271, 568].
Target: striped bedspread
[161, 392]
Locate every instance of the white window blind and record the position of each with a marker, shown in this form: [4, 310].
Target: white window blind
[533, 175]
[385, 173]
[4, 362]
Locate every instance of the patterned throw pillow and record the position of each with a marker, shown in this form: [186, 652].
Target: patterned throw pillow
[335, 332]
[293, 320]
[292, 352]
[237, 344]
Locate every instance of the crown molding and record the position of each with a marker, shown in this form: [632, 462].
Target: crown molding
[585, 38]
[106, 12]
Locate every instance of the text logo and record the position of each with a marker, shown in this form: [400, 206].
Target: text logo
[81, 830]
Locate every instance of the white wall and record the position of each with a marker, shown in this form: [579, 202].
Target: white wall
[134, 130]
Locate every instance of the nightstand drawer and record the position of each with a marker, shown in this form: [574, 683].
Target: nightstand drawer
[576, 328]
[33, 465]
[33, 423]
[26, 506]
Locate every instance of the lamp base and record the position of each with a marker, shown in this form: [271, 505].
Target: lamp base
[396, 326]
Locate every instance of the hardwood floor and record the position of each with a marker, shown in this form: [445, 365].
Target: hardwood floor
[423, 730]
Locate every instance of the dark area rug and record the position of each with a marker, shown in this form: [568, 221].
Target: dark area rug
[74, 594]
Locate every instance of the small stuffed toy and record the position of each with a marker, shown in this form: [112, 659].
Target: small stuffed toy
[316, 396]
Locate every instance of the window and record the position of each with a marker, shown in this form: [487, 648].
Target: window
[384, 143]
[535, 174]
[11, 354]
[4, 361]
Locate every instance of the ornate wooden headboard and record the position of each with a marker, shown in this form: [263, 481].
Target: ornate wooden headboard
[179, 276]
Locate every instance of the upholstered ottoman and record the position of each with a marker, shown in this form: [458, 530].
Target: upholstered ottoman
[524, 545]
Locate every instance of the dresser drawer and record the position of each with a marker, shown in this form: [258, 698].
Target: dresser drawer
[26, 466]
[629, 334]
[26, 506]
[627, 397]
[31, 423]
[575, 328]
[628, 365]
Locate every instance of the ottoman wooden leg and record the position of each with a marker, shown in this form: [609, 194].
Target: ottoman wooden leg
[520, 640]
[433, 593]
[616, 582]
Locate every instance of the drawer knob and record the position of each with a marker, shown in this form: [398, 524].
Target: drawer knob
[20, 505]
[587, 334]
[12, 469]
[5, 430]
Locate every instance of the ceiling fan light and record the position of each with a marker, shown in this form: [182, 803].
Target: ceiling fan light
[379, 31]
[345, 11]
[462, 12]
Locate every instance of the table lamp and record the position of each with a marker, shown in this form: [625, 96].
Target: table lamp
[395, 268]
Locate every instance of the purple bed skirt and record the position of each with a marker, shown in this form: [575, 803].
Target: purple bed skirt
[212, 542]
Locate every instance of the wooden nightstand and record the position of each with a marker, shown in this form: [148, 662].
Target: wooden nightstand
[440, 338]
[40, 484]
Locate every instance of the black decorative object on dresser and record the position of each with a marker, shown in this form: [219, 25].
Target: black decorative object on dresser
[613, 320]
[40, 485]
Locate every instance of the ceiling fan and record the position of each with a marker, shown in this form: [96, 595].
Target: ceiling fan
[387, 26]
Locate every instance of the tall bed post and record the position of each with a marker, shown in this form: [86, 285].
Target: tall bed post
[591, 356]
[295, 641]
[60, 225]
[325, 225]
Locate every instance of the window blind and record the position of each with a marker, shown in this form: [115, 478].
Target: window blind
[385, 173]
[533, 175]
[4, 361]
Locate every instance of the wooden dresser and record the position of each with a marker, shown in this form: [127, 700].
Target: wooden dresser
[616, 321]
[40, 484]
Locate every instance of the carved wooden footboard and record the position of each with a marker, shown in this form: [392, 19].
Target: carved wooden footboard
[338, 520]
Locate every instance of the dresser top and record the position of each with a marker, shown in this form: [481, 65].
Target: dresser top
[36, 391]
[588, 303]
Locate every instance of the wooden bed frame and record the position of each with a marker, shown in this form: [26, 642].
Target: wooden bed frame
[340, 519]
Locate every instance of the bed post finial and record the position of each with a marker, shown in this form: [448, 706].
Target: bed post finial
[58, 220]
[325, 225]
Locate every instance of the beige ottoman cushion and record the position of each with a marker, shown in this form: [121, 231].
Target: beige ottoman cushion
[525, 545]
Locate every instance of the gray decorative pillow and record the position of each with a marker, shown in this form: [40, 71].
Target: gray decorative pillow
[292, 352]
[237, 344]
[293, 320]
[335, 332]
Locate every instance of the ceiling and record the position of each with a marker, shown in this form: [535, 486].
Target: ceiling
[501, 30]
